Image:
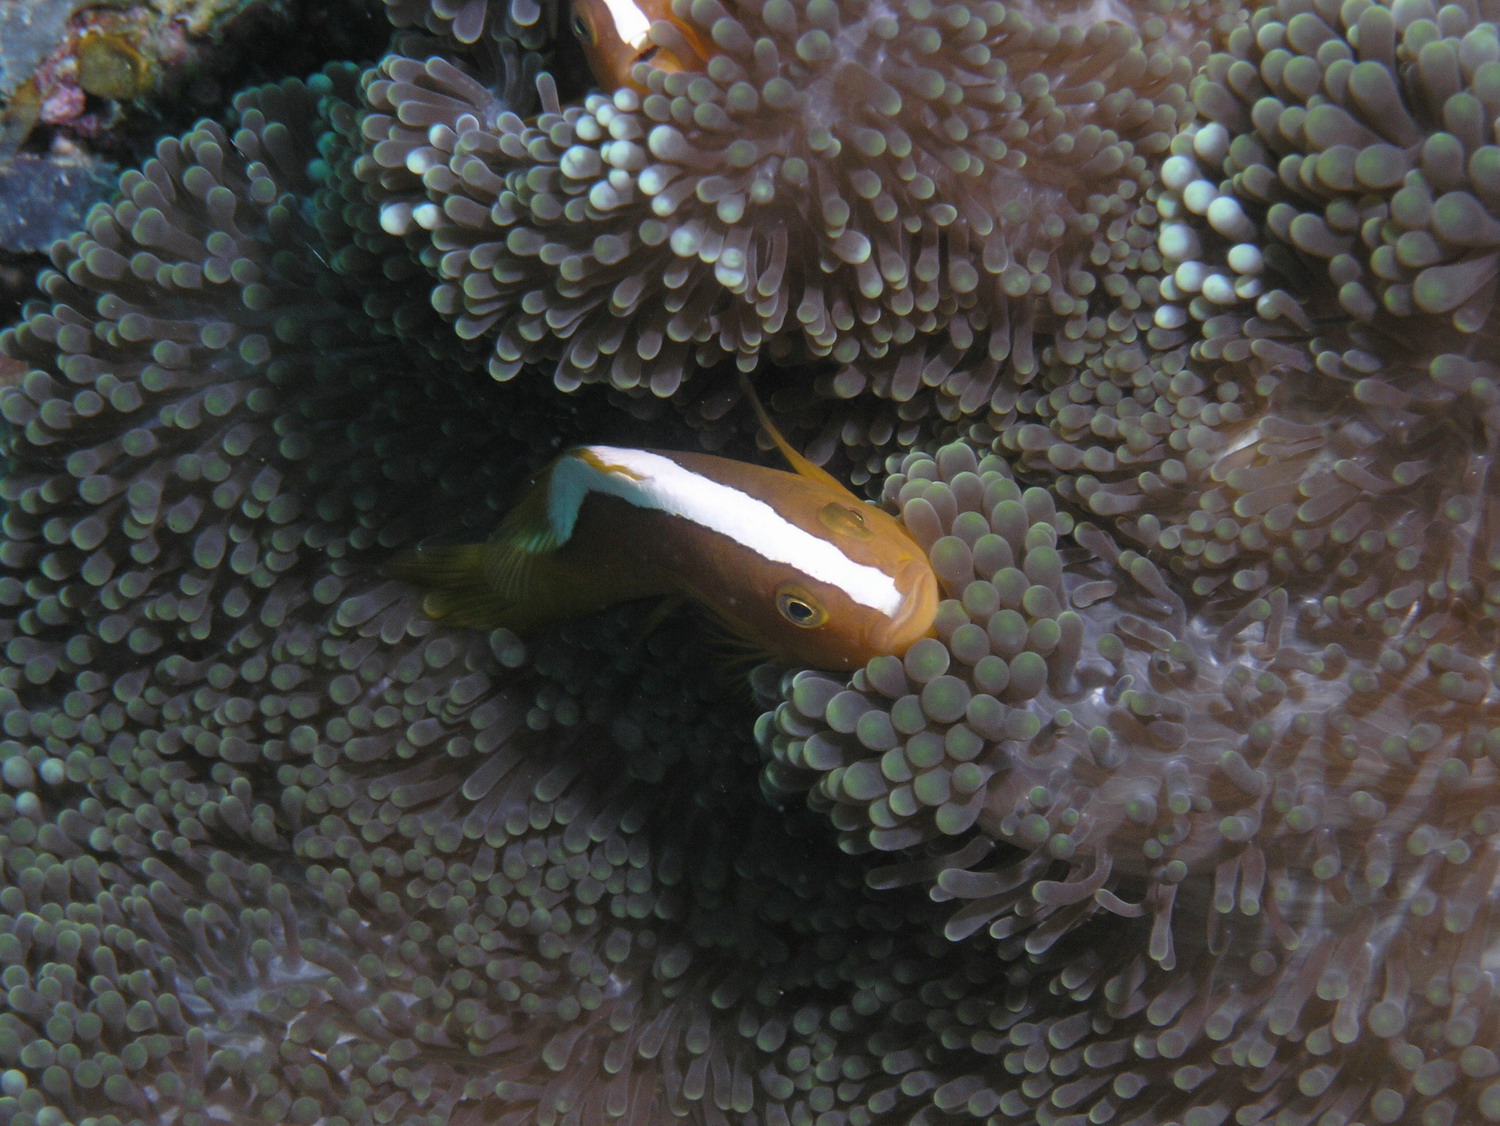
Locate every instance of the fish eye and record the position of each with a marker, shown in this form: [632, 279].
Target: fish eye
[844, 519]
[581, 28]
[799, 607]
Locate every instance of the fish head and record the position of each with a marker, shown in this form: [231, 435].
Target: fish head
[613, 36]
[821, 618]
[918, 610]
[616, 34]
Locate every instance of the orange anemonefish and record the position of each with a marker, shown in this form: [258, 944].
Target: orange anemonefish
[793, 563]
[615, 35]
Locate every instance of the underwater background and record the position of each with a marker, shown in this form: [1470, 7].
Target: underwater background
[1169, 329]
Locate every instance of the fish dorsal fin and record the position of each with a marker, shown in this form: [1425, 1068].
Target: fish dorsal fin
[800, 465]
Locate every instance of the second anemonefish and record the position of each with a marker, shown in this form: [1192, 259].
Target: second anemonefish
[792, 563]
[615, 35]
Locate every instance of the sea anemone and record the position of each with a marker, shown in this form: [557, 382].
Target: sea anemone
[1314, 409]
[914, 194]
[1185, 815]
[277, 848]
[1292, 807]
[528, 23]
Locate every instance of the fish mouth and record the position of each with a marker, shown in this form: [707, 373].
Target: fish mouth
[918, 608]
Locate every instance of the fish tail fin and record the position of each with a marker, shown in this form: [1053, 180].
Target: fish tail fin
[492, 584]
[455, 583]
[797, 461]
[531, 573]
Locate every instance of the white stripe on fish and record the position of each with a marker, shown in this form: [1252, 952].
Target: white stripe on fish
[650, 480]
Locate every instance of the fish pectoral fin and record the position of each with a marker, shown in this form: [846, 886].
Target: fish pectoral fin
[728, 640]
[663, 610]
[800, 465]
[734, 658]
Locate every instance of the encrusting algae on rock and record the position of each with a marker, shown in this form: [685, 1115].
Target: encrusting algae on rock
[1186, 813]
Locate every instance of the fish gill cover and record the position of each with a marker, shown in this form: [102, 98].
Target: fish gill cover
[1186, 815]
